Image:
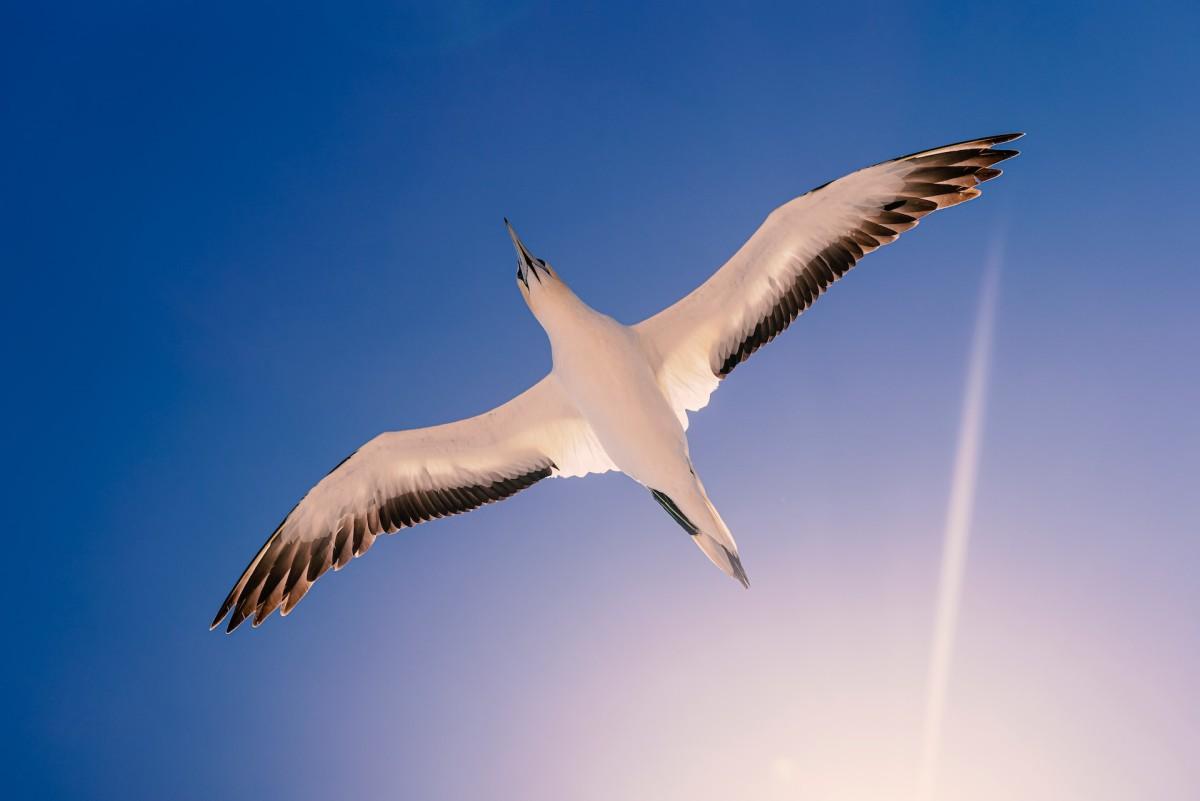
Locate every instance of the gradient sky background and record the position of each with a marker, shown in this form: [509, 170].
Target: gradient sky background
[242, 238]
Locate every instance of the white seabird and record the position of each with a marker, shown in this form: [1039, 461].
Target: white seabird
[617, 396]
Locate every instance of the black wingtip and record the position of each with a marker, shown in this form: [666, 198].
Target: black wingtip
[984, 142]
[1008, 137]
[225, 607]
[235, 620]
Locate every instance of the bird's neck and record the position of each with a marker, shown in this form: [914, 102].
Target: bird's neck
[558, 309]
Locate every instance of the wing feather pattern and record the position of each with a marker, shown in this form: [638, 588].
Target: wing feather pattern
[799, 251]
[403, 478]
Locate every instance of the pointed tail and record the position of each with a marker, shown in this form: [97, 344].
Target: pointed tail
[699, 518]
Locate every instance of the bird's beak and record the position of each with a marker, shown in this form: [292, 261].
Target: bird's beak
[526, 263]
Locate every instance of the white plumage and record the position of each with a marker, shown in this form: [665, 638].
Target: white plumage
[618, 396]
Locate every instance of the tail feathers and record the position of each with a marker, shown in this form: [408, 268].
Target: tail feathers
[723, 558]
[708, 531]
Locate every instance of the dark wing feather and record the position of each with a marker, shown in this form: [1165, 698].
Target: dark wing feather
[804, 247]
[404, 478]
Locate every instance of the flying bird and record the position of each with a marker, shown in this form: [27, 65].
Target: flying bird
[617, 396]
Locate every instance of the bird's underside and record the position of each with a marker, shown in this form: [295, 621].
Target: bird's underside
[403, 478]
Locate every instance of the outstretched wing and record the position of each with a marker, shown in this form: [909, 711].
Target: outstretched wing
[803, 247]
[403, 478]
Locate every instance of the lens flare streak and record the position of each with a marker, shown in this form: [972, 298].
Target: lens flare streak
[957, 530]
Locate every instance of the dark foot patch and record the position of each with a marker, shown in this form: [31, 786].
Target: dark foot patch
[673, 510]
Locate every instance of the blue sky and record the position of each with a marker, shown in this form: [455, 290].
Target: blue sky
[240, 239]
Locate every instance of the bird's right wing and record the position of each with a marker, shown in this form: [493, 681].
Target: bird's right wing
[403, 478]
[803, 247]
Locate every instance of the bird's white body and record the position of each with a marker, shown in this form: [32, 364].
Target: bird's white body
[604, 369]
[618, 396]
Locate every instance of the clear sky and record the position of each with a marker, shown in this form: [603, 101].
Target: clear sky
[239, 239]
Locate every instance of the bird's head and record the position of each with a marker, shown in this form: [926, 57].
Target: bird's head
[536, 279]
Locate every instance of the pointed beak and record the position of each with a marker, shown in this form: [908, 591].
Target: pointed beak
[526, 263]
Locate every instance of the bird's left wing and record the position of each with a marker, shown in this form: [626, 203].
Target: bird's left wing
[403, 478]
[803, 247]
